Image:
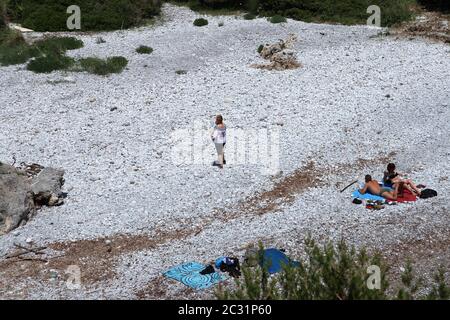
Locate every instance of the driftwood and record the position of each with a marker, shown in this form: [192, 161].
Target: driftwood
[25, 250]
[32, 259]
[349, 185]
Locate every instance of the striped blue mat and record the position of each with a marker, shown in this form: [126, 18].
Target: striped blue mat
[189, 275]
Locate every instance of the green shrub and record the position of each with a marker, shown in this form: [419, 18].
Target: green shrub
[17, 54]
[50, 63]
[10, 38]
[50, 15]
[200, 22]
[440, 5]
[144, 50]
[249, 16]
[329, 272]
[103, 67]
[260, 48]
[181, 72]
[14, 50]
[59, 45]
[116, 64]
[277, 19]
[3, 14]
[340, 11]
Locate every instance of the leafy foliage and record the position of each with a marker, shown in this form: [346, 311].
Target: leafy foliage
[440, 5]
[14, 50]
[103, 67]
[249, 16]
[277, 19]
[51, 15]
[336, 11]
[329, 272]
[200, 22]
[144, 50]
[260, 48]
[50, 63]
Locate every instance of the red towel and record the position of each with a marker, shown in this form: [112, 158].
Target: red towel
[406, 196]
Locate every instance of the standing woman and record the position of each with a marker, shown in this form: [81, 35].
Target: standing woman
[219, 137]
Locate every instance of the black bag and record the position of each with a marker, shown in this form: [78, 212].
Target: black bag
[428, 193]
[232, 267]
[209, 269]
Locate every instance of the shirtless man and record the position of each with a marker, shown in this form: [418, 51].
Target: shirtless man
[373, 187]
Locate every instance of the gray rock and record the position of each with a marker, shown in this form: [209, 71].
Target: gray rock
[46, 186]
[21, 195]
[16, 198]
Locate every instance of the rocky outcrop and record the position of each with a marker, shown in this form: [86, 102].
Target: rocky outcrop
[24, 190]
[280, 54]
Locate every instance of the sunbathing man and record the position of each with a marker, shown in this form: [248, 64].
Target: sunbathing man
[393, 178]
[373, 187]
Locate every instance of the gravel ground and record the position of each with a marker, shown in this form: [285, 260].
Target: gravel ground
[359, 101]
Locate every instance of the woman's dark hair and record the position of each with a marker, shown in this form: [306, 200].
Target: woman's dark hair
[391, 167]
[219, 119]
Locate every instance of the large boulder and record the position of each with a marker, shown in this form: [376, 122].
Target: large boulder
[23, 191]
[16, 198]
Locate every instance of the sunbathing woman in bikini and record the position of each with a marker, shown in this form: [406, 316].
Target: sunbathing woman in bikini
[393, 178]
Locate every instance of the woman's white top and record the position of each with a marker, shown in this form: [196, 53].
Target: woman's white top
[219, 135]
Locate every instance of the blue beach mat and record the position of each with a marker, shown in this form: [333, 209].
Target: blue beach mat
[189, 275]
[368, 196]
[274, 259]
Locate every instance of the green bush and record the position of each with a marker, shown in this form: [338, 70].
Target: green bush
[440, 5]
[333, 11]
[50, 63]
[14, 50]
[18, 54]
[50, 15]
[200, 22]
[340, 11]
[144, 50]
[103, 67]
[10, 37]
[249, 16]
[199, 5]
[277, 19]
[59, 45]
[260, 48]
[3, 14]
[329, 272]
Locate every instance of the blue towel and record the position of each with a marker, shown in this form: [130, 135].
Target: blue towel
[189, 275]
[274, 260]
[369, 196]
[366, 196]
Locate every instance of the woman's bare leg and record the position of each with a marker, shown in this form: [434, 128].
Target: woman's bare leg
[412, 187]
